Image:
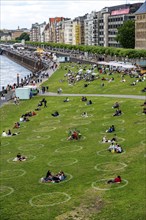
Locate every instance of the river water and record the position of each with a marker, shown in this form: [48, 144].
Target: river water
[9, 71]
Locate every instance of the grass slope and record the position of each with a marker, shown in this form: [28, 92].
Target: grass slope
[87, 163]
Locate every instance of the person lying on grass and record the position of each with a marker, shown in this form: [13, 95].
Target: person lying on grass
[55, 114]
[74, 135]
[111, 129]
[106, 140]
[60, 176]
[115, 180]
[19, 157]
[117, 113]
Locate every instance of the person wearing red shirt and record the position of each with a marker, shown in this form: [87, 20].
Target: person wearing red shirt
[116, 180]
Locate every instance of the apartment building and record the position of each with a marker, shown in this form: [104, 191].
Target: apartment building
[41, 31]
[46, 33]
[140, 27]
[34, 32]
[68, 31]
[91, 28]
[111, 18]
[78, 30]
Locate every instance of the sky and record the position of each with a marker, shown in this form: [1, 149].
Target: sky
[24, 13]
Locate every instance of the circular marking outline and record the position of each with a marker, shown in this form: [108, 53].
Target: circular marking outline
[80, 148]
[43, 129]
[24, 172]
[57, 203]
[11, 191]
[75, 161]
[37, 138]
[98, 153]
[6, 144]
[21, 147]
[120, 121]
[119, 187]
[10, 160]
[98, 169]
[61, 182]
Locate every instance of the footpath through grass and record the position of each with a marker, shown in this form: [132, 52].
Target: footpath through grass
[88, 165]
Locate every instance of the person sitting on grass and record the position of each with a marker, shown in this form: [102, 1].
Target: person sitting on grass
[55, 114]
[89, 102]
[115, 180]
[114, 139]
[112, 148]
[84, 99]
[117, 113]
[60, 176]
[144, 110]
[111, 129]
[116, 105]
[105, 140]
[74, 135]
[84, 115]
[4, 134]
[118, 148]
[66, 100]
[17, 125]
[19, 157]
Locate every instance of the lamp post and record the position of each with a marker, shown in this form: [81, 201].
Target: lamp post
[18, 79]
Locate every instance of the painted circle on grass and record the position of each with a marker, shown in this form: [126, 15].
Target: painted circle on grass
[142, 131]
[106, 153]
[45, 129]
[107, 116]
[28, 159]
[80, 123]
[5, 191]
[118, 121]
[110, 166]
[3, 144]
[29, 147]
[60, 162]
[140, 122]
[80, 117]
[68, 178]
[9, 174]
[68, 149]
[49, 199]
[139, 113]
[65, 139]
[143, 142]
[38, 137]
[45, 123]
[103, 185]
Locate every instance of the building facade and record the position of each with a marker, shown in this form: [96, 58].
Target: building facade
[140, 27]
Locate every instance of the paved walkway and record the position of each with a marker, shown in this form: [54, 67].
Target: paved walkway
[96, 95]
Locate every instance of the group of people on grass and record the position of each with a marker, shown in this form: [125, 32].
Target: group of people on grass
[54, 178]
[74, 134]
[20, 157]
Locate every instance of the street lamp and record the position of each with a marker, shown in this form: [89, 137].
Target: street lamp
[17, 79]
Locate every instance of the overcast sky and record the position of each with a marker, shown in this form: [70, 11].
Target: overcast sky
[24, 13]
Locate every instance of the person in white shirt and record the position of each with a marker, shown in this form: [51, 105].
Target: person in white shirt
[4, 134]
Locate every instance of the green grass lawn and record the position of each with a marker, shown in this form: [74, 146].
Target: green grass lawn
[88, 165]
[115, 87]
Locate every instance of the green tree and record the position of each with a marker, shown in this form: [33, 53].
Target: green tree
[126, 34]
[24, 36]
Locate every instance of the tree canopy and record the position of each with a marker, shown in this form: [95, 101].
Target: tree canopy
[126, 34]
[24, 36]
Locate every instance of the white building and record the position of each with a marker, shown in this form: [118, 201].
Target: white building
[68, 31]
